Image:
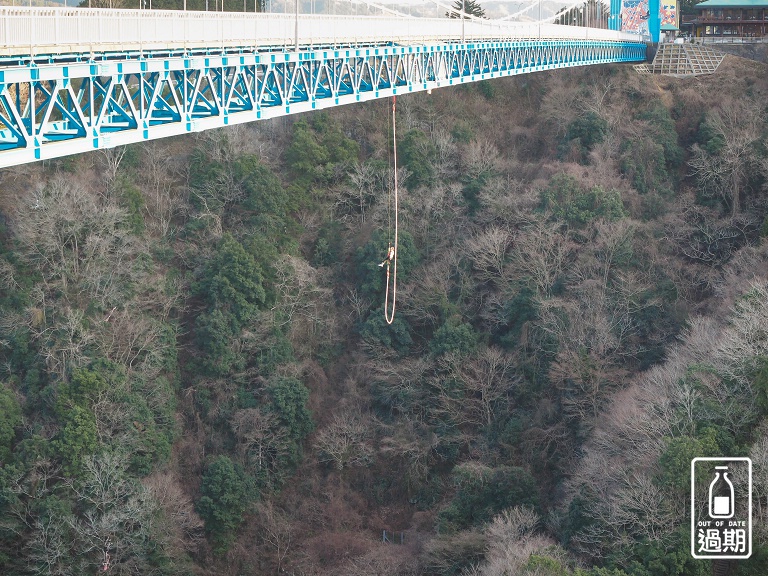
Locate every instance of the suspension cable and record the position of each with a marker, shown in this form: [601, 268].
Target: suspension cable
[390, 317]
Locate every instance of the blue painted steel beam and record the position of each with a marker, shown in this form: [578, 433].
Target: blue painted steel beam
[654, 20]
[614, 19]
[56, 109]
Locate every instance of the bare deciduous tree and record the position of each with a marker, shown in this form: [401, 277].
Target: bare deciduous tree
[596, 94]
[344, 442]
[481, 158]
[401, 389]
[708, 372]
[508, 202]
[116, 516]
[181, 525]
[163, 198]
[49, 547]
[540, 253]
[357, 302]
[133, 340]
[704, 238]
[759, 455]
[488, 252]
[445, 154]
[261, 441]
[68, 341]
[511, 540]
[110, 161]
[228, 142]
[745, 338]
[558, 105]
[736, 126]
[413, 443]
[305, 304]
[276, 530]
[368, 185]
[78, 242]
[429, 291]
[487, 377]
[640, 507]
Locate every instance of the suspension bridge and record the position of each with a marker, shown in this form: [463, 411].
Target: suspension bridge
[79, 79]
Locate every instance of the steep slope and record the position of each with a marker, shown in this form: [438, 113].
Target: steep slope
[198, 378]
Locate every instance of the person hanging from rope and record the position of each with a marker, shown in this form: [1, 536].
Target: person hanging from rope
[390, 257]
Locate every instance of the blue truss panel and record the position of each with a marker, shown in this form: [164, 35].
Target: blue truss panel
[239, 96]
[52, 110]
[321, 82]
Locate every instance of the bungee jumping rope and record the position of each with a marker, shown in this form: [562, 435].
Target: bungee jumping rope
[392, 249]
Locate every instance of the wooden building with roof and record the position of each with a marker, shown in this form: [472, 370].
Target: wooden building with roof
[731, 19]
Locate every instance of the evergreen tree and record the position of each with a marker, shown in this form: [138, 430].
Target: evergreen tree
[470, 7]
[225, 494]
[10, 419]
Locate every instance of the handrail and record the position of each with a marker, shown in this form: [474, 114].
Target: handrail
[32, 31]
[727, 19]
[730, 40]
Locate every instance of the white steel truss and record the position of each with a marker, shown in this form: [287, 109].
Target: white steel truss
[62, 108]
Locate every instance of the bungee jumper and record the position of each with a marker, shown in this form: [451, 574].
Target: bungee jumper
[390, 256]
[391, 259]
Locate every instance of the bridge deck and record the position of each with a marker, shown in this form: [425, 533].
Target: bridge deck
[78, 80]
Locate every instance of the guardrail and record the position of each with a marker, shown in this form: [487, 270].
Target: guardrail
[728, 19]
[731, 40]
[33, 31]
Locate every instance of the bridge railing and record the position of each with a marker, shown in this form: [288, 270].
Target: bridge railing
[26, 31]
[731, 40]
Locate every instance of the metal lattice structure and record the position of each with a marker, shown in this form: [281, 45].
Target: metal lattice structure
[683, 60]
[76, 103]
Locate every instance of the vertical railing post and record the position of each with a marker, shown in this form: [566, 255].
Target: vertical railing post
[296, 30]
[32, 112]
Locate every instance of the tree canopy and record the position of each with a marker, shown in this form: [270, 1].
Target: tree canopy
[469, 7]
[196, 376]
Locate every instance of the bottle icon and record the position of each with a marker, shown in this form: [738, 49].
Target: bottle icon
[721, 496]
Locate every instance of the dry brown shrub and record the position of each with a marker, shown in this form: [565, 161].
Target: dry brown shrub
[330, 549]
[443, 555]
[384, 559]
[181, 524]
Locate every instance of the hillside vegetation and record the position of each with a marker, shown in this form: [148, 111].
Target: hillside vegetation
[196, 377]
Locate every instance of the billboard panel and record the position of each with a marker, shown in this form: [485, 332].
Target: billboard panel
[634, 15]
[668, 13]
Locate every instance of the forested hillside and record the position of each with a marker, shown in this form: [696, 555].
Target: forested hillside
[196, 377]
